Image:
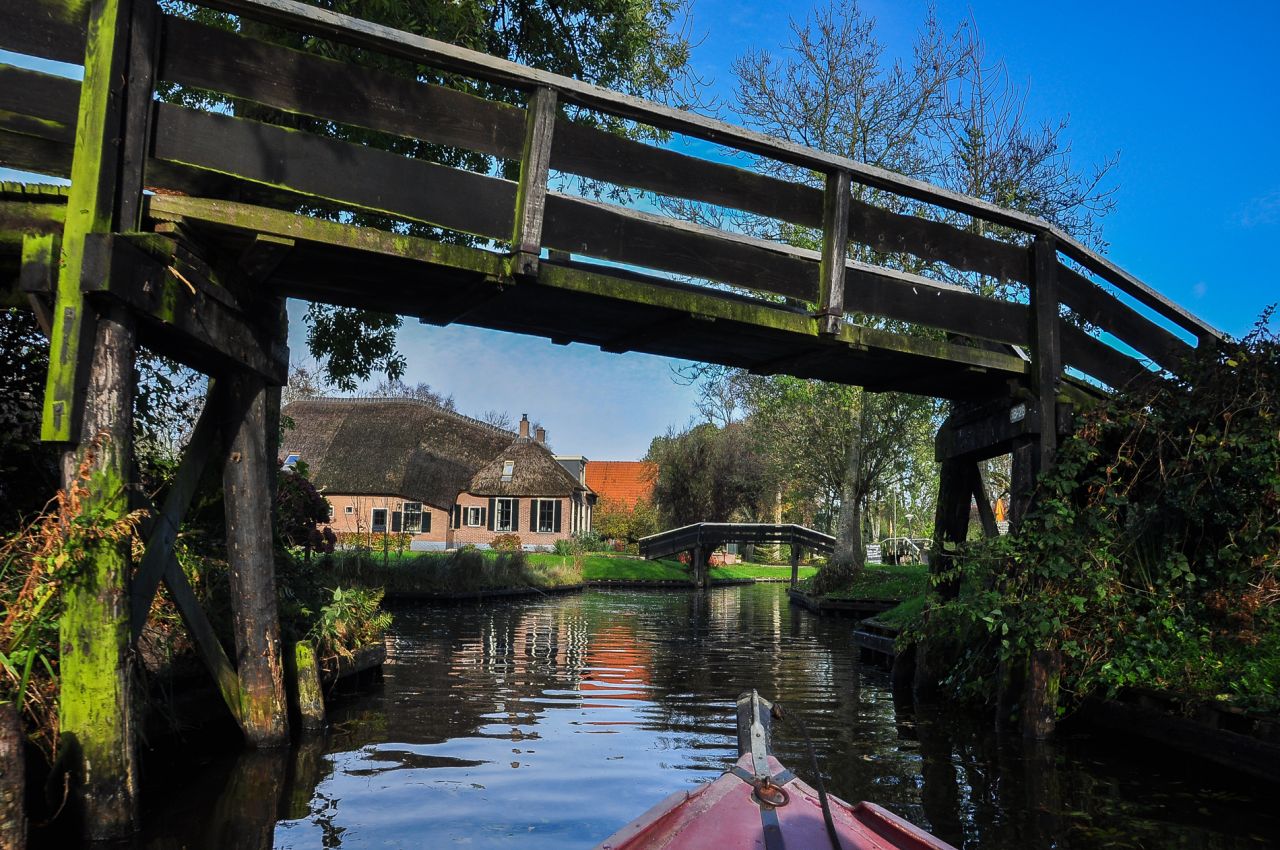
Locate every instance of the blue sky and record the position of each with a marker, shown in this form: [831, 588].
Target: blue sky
[1186, 93]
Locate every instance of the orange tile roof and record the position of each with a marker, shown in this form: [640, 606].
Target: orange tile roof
[625, 481]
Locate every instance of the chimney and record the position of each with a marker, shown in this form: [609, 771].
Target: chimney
[540, 434]
[524, 425]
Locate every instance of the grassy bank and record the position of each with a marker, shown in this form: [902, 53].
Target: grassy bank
[454, 572]
[883, 581]
[470, 570]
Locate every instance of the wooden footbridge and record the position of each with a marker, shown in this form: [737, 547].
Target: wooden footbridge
[700, 539]
[186, 226]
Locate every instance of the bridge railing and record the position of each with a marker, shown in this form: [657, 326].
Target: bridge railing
[210, 150]
[712, 535]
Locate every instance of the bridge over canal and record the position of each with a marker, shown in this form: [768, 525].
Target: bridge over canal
[184, 229]
[700, 539]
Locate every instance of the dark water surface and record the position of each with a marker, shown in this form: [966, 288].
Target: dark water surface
[550, 723]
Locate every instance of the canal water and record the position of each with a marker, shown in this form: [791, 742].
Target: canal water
[551, 722]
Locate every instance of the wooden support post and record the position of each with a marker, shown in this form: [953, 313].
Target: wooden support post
[951, 520]
[208, 647]
[535, 159]
[1046, 343]
[1025, 469]
[835, 240]
[164, 531]
[96, 705]
[1040, 700]
[246, 483]
[982, 498]
[305, 672]
[13, 779]
[699, 566]
[795, 564]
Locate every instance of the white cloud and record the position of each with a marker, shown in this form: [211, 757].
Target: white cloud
[1261, 211]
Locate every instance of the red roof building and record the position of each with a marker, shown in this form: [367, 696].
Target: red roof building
[622, 481]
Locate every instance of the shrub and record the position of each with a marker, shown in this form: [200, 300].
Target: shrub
[568, 547]
[1152, 555]
[507, 543]
[299, 510]
[353, 618]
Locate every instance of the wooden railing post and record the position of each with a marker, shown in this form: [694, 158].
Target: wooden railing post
[535, 159]
[795, 564]
[1046, 343]
[247, 488]
[835, 240]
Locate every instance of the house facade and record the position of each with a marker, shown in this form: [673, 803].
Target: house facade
[403, 466]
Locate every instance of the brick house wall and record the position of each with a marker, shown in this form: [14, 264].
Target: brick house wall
[531, 539]
[355, 513]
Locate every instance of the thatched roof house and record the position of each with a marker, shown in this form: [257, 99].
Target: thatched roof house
[407, 466]
[398, 446]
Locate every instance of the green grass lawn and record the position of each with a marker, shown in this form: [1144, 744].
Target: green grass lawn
[442, 572]
[624, 568]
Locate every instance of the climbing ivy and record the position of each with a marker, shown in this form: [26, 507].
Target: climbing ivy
[1152, 555]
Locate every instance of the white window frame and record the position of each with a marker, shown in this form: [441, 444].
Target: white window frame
[349, 509]
[508, 470]
[512, 507]
[551, 518]
[404, 517]
[473, 516]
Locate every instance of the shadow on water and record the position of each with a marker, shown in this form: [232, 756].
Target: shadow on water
[550, 723]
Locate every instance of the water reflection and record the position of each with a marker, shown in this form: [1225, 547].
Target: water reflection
[552, 722]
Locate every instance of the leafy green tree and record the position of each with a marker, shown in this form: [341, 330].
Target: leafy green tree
[709, 474]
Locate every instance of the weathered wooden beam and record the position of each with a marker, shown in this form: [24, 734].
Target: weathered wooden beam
[164, 530]
[143, 48]
[246, 487]
[982, 498]
[795, 564]
[96, 702]
[37, 276]
[206, 641]
[1098, 307]
[1094, 357]
[306, 677]
[184, 315]
[1046, 344]
[531, 196]
[91, 205]
[835, 245]
[48, 29]
[264, 255]
[13, 779]
[951, 523]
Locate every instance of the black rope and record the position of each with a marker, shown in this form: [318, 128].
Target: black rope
[817, 773]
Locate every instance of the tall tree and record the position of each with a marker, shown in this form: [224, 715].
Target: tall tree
[943, 114]
[709, 474]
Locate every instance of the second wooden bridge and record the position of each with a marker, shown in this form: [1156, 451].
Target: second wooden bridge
[700, 539]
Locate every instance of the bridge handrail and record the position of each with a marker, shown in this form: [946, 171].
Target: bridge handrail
[360, 33]
[51, 30]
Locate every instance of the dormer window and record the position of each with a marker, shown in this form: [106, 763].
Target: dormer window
[508, 470]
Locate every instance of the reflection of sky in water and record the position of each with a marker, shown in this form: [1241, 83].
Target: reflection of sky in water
[550, 723]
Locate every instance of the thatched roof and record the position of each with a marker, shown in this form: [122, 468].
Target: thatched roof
[402, 447]
[535, 472]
